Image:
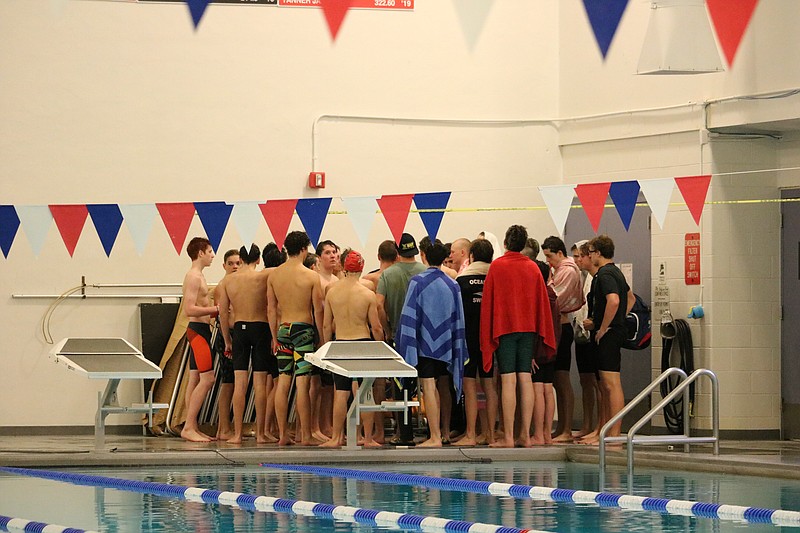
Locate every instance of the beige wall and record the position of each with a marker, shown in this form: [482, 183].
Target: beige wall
[124, 103]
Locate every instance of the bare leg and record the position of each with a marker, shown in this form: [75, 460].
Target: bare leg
[282, 408]
[589, 400]
[239, 392]
[191, 431]
[538, 414]
[326, 395]
[445, 405]
[340, 398]
[471, 408]
[525, 386]
[194, 379]
[224, 429]
[566, 406]
[429, 393]
[302, 384]
[260, 393]
[615, 399]
[508, 383]
[491, 407]
[269, 415]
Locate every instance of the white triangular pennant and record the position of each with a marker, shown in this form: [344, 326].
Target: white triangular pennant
[139, 218]
[658, 194]
[472, 14]
[36, 221]
[246, 217]
[558, 199]
[361, 212]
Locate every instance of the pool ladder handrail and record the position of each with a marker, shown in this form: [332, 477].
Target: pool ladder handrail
[686, 439]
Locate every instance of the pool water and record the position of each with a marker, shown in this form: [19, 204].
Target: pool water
[113, 510]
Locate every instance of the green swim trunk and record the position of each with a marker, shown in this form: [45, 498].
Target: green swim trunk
[295, 339]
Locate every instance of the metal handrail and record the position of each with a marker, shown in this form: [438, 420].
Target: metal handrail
[685, 439]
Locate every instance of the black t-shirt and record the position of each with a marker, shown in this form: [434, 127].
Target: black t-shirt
[609, 280]
[471, 295]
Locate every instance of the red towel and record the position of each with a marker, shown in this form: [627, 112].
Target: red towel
[515, 300]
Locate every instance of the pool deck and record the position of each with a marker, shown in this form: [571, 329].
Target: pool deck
[779, 459]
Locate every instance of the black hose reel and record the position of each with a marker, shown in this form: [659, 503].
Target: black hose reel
[678, 335]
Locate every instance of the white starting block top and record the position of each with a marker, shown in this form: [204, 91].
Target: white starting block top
[361, 359]
[114, 359]
[104, 358]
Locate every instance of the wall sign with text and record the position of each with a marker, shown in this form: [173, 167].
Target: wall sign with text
[692, 255]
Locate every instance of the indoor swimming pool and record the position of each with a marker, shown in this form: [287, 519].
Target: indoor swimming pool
[88, 506]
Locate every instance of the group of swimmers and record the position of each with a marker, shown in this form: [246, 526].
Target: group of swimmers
[464, 312]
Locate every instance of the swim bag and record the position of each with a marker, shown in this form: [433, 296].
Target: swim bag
[638, 323]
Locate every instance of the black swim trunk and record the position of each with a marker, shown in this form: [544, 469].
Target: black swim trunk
[431, 368]
[610, 350]
[225, 368]
[474, 367]
[564, 353]
[253, 340]
[586, 356]
[545, 373]
[199, 336]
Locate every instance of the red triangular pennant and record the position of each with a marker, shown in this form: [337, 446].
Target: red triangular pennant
[177, 217]
[70, 220]
[335, 11]
[730, 18]
[278, 214]
[694, 190]
[395, 209]
[593, 199]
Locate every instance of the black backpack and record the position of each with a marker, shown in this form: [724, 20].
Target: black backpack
[638, 323]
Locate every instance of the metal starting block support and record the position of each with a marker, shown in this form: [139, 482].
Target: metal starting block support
[367, 360]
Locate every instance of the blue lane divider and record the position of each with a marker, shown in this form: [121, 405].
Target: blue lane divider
[603, 499]
[269, 504]
[8, 523]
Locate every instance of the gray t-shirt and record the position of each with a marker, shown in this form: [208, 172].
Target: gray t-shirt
[393, 285]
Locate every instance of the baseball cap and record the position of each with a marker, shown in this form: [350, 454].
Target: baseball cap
[408, 246]
[353, 262]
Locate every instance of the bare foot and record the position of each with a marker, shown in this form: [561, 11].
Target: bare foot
[285, 441]
[580, 434]
[320, 436]
[466, 441]
[537, 442]
[502, 443]
[563, 438]
[431, 443]
[224, 435]
[235, 439]
[331, 443]
[192, 435]
[523, 443]
[372, 444]
[267, 438]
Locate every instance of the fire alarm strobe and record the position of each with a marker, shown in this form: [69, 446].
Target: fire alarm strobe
[316, 180]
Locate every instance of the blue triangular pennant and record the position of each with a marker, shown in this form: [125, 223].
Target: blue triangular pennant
[604, 16]
[432, 200]
[197, 8]
[9, 224]
[624, 195]
[214, 216]
[312, 213]
[107, 220]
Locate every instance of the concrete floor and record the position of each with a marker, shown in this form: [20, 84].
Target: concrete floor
[780, 459]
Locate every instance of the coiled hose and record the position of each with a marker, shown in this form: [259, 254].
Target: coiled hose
[683, 358]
